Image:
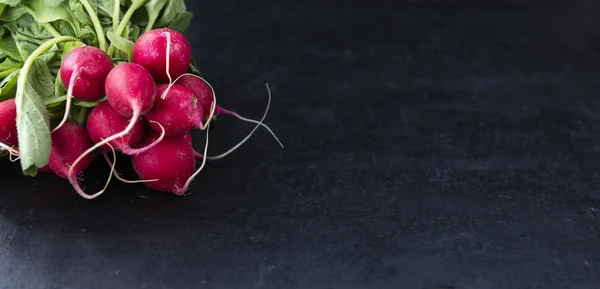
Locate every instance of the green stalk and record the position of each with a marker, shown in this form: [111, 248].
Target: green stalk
[33, 56]
[134, 6]
[82, 115]
[97, 25]
[51, 29]
[116, 13]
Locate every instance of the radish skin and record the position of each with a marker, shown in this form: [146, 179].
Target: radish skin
[164, 52]
[130, 91]
[170, 163]
[178, 113]
[83, 72]
[8, 127]
[205, 95]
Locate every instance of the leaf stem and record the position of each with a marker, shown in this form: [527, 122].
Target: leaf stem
[97, 26]
[116, 13]
[134, 6]
[51, 29]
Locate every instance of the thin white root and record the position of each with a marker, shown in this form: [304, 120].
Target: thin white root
[183, 190]
[118, 176]
[168, 66]
[11, 150]
[259, 123]
[112, 167]
[135, 117]
[74, 77]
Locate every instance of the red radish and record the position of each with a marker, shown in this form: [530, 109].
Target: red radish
[83, 72]
[165, 53]
[68, 143]
[205, 96]
[130, 91]
[178, 113]
[103, 122]
[8, 123]
[170, 163]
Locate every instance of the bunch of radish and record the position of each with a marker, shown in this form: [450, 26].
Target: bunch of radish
[146, 109]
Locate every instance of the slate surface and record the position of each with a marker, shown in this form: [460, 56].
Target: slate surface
[428, 146]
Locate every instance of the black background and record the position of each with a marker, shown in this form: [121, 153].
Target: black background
[429, 144]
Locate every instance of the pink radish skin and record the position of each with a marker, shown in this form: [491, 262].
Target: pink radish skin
[8, 128]
[103, 122]
[130, 91]
[178, 112]
[83, 72]
[68, 143]
[8, 123]
[171, 163]
[151, 51]
[91, 65]
[205, 97]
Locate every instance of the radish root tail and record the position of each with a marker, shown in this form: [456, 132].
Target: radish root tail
[225, 111]
[136, 116]
[259, 123]
[184, 189]
[74, 77]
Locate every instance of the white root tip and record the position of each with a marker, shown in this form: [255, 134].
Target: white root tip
[74, 77]
[259, 123]
[184, 189]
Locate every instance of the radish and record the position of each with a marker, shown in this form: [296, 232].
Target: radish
[8, 127]
[68, 146]
[84, 71]
[205, 96]
[165, 53]
[178, 113]
[170, 163]
[68, 143]
[130, 91]
[103, 122]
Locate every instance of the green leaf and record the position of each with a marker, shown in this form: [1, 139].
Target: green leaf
[8, 86]
[153, 8]
[8, 46]
[9, 63]
[121, 43]
[44, 14]
[182, 22]
[11, 14]
[172, 10]
[12, 3]
[2, 6]
[88, 104]
[33, 127]
[41, 80]
[53, 3]
[33, 122]
[69, 46]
